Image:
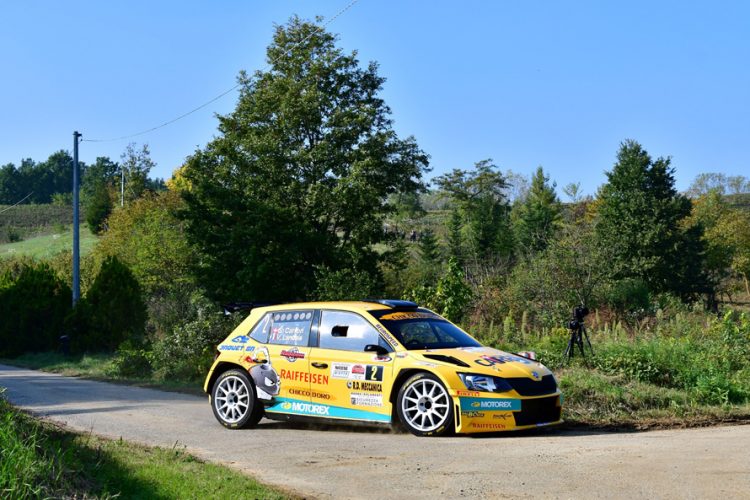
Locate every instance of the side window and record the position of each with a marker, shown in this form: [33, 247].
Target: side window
[260, 331]
[347, 331]
[290, 328]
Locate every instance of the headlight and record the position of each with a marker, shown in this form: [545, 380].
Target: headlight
[484, 383]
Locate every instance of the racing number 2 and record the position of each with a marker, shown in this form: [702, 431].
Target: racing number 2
[374, 373]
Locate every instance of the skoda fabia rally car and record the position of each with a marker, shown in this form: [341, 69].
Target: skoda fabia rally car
[380, 362]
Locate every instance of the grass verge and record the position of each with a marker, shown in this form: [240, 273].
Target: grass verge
[47, 246]
[40, 460]
[96, 367]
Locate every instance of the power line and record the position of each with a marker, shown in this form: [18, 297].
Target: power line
[17, 203]
[235, 87]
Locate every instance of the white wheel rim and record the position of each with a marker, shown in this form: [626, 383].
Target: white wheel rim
[425, 405]
[232, 399]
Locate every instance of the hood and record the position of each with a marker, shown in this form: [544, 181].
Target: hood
[484, 360]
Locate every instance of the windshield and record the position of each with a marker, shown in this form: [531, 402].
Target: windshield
[423, 329]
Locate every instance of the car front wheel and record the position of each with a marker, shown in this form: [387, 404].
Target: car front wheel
[233, 400]
[424, 406]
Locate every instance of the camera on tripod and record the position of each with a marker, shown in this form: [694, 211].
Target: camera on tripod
[579, 312]
[578, 334]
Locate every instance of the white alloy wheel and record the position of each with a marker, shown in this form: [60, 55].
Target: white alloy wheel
[233, 400]
[424, 405]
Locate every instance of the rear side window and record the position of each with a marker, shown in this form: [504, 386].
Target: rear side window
[260, 331]
[290, 328]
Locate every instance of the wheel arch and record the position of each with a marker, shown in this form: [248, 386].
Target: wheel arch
[217, 371]
[401, 379]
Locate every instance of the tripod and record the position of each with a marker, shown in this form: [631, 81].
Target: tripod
[577, 336]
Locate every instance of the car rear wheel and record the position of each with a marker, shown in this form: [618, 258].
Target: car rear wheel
[233, 400]
[424, 406]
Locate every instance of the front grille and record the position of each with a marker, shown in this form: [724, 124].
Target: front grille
[537, 411]
[528, 387]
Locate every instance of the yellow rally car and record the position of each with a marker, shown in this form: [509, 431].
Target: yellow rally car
[379, 361]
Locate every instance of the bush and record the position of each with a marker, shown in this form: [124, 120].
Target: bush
[112, 311]
[33, 306]
[186, 352]
[451, 297]
[131, 361]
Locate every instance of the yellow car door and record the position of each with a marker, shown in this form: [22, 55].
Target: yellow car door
[287, 350]
[358, 381]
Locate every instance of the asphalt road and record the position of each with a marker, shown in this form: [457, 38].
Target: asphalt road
[347, 462]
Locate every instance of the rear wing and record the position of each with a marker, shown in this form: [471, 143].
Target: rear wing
[233, 307]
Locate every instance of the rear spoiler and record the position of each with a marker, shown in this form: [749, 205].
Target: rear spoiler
[233, 307]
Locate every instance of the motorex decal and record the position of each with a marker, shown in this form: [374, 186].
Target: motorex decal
[296, 407]
[487, 404]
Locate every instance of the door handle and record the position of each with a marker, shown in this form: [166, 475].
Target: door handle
[320, 365]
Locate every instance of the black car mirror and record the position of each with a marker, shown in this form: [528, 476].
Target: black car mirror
[377, 349]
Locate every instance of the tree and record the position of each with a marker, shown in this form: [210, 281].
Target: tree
[480, 194]
[98, 208]
[148, 237]
[726, 234]
[536, 217]
[112, 311]
[706, 182]
[429, 249]
[136, 164]
[639, 219]
[299, 175]
[103, 172]
[11, 185]
[455, 240]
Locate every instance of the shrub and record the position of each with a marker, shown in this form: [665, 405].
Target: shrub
[112, 311]
[451, 297]
[33, 306]
[186, 352]
[131, 361]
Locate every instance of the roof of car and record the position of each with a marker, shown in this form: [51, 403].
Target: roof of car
[353, 305]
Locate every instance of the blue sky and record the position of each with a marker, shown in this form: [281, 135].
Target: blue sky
[551, 83]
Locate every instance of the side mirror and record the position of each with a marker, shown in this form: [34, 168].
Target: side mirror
[377, 349]
[339, 331]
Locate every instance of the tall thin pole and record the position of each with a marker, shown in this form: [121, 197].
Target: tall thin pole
[76, 243]
[122, 185]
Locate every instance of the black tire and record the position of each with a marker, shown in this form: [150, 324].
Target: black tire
[234, 402]
[424, 406]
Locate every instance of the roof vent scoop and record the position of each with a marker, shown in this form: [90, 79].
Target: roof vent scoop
[446, 359]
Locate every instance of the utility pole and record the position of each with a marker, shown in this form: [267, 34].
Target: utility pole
[76, 243]
[122, 185]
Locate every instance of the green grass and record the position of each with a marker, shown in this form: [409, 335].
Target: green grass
[45, 247]
[38, 460]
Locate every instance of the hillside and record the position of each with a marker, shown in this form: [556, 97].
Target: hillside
[46, 246]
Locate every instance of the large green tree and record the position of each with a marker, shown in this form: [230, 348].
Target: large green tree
[481, 196]
[640, 216]
[537, 216]
[299, 175]
[136, 164]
